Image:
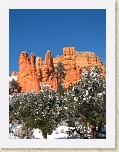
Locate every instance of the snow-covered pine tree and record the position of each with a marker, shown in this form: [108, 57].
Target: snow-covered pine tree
[88, 99]
[43, 110]
[94, 98]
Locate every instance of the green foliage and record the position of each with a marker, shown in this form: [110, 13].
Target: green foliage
[88, 99]
[43, 110]
[60, 76]
[85, 102]
[14, 87]
[94, 104]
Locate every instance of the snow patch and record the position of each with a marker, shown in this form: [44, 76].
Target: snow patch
[13, 77]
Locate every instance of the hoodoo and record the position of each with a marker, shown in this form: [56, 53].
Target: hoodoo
[34, 72]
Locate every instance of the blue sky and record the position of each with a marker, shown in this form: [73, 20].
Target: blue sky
[39, 30]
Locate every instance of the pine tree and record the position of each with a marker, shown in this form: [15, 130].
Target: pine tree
[14, 87]
[43, 110]
[88, 99]
[60, 76]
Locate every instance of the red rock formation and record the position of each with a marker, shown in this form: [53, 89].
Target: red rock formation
[49, 62]
[28, 78]
[14, 73]
[39, 66]
[31, 76]
[74, 62]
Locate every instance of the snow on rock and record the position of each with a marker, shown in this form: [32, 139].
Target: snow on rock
[13, 77]
[44, 85]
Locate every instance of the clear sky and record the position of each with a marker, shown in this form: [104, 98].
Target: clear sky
[39, 30]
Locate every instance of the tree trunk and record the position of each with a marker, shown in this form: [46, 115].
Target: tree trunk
[92, 127]
[44, 134]
[92, 133]
[23, 123]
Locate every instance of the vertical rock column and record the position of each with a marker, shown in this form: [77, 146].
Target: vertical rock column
[28, 78]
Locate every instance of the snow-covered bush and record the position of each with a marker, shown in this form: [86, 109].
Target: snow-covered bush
[86, 100]
[40, 110]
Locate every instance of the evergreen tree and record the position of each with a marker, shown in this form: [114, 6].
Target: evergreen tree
[60, 76]
[43, 110]
[14, 87]
[88, 99]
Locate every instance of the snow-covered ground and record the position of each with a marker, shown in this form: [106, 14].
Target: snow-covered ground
[55, 135]
[59, 133]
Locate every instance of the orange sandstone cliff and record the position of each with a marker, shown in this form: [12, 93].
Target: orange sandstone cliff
[34, 73]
